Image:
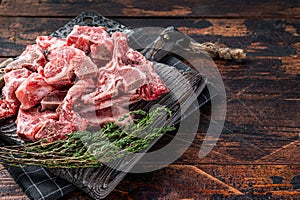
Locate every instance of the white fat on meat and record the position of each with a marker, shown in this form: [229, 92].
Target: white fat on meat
[48, 43]
[53, 130]
[97, 118]
[9, 105]
[66, 62]
[32, 58]
[101, 53]
[67, 108]
[127, 73]
[32, 91]
[31, 121]
[93, 89]
[8, 109]
[13, 80]
[82, 37]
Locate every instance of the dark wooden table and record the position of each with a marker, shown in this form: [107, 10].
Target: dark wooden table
[258, 153]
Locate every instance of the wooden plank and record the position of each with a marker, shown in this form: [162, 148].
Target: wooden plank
[8, 187]
[16, 33]
[187, 181]
[212, 182]
[135, 8]
[236, 148]
[281, 35]
[173, 182]
[258, 179]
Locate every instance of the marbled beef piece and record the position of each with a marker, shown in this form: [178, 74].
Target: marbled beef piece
[155, 86]
[152, 85]
[32, 91]
[126, 79]
[105, 89]
[53, 100]
[32, 58]
[65, 120]
[128, 73]
[93, 40]
[122, 101]
[8, 109]
[110, 114]
[48, 43]
[53, 130]
[9, 106]
[69, 120]
[67, 108]
[29, 122]
[101, 53]
[65, 64]
[84, 95]
[13, 80]
[82, 37]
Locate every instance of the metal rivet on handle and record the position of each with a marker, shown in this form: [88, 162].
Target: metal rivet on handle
[166, 36]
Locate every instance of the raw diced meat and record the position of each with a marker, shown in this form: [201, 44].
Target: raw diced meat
[32, 58]
[65, 62]
[79, 89]
[135, 58]
[105, 90]
[101, 52]
[57, 73]
[48, 42]
[120, 45]
[110, 114]
[66, 109]
[124, 100]
[113, 115]
[155, 87]
[79, 93]
[130, 78]
[153, 90]
[127, 73]
[9, 105]
[31, 121]
[54, 130]
[69, 120]
[83, 36]
[125, 81]
[32, 91]
[53, 100]
[13, 80]
[85, 68]
[68, 114]
[8, 109]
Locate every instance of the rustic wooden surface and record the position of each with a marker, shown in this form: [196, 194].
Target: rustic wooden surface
[258, 153]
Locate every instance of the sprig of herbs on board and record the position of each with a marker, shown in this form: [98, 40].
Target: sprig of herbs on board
[91, 149]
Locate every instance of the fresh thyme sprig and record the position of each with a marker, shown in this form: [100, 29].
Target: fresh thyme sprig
[91, 149]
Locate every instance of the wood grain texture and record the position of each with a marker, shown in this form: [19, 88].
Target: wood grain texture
[135, 8]
[211, 182]
[8, 187]
[257, 154]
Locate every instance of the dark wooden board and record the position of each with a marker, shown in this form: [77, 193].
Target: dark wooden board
[134, 8]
